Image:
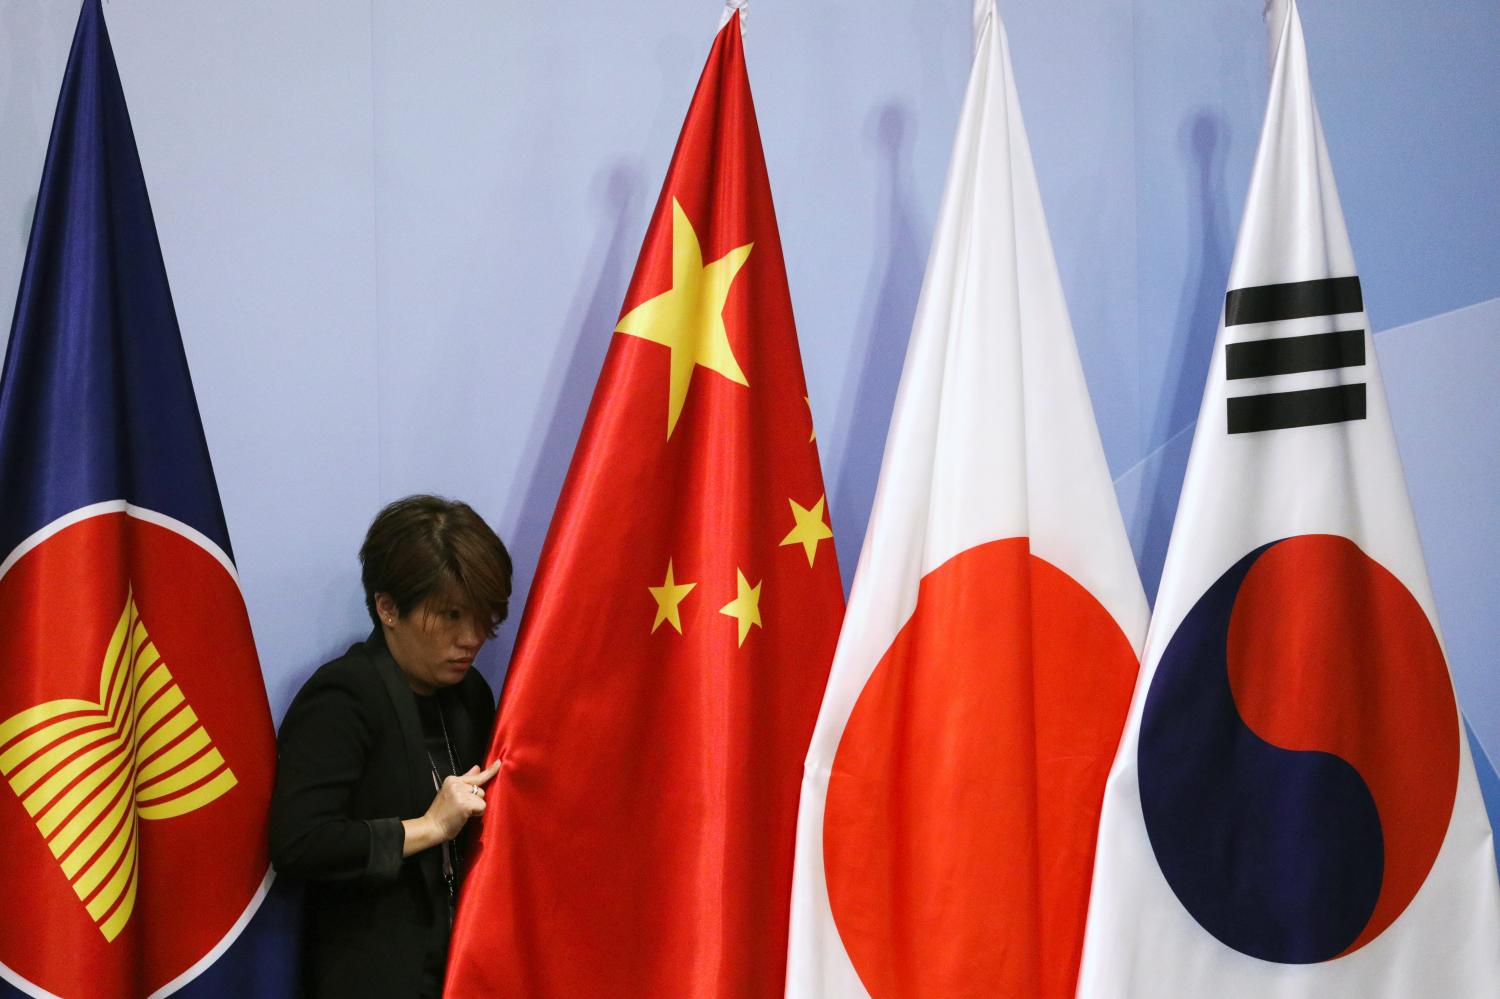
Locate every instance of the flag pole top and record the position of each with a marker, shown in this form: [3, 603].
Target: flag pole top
[730, 6]
[983, 10]
[1277, 12]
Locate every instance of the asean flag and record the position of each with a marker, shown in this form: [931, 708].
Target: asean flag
[1294, 813]
[986, 663]
[136, 749]
[673, 651]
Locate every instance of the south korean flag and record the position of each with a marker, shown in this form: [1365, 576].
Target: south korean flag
[1294, 810]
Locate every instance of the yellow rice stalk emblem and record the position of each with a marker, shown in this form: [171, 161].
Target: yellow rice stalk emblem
[85, 772]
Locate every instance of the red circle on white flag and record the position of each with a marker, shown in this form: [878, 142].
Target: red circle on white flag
[963, 802]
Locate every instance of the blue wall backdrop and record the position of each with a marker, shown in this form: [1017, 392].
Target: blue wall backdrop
[398, 236]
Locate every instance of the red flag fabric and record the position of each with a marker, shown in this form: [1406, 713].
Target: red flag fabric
[673, 652]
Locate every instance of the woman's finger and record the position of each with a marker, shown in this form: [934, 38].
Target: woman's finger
[475, 777]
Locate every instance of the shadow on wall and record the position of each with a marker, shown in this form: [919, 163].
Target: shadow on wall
[1489, 783]
[339, 601]
[570, 380]
[890, 302]
[21, 101]
[1203, 140]
[28, 215]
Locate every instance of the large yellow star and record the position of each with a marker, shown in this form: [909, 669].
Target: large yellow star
[810, 528]
[689, 319]
[745, 608]
[668, 595]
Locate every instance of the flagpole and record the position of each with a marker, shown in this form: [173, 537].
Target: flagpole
[983, 9]
[730, 6]
[1277, 12]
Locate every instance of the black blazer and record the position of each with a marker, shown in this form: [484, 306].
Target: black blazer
[351, 764]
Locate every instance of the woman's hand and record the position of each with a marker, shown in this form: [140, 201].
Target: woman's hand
[459, 799]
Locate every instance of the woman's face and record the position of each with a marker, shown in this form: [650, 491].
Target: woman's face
[436, 643]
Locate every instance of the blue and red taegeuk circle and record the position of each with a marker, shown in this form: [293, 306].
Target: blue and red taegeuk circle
[199, 872]
[1299, 752]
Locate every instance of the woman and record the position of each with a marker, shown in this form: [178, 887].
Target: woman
[378, 756]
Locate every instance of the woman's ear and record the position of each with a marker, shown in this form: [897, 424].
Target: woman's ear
[385, 608]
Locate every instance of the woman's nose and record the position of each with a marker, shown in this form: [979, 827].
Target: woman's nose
[470, 635]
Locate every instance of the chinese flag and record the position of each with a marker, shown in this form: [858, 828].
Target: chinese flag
[673, 653]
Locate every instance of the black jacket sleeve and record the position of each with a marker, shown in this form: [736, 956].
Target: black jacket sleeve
[322, 752]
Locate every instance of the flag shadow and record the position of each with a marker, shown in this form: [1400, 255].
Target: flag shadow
[885, 326]
[570, 379]
[1203, 140]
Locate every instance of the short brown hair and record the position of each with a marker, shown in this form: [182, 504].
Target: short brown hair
[421, 545]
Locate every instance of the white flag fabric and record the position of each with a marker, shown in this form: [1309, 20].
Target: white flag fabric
[1294, 810]
[991, 643]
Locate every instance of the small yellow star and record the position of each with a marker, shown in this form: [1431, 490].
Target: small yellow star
[814, 435]
[745, 608]
[810, 527]
[667, 596]
[689, 318]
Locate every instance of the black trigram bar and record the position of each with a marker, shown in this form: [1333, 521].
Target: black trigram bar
[1308, 408]
[1291, 354]
[1296, 300]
